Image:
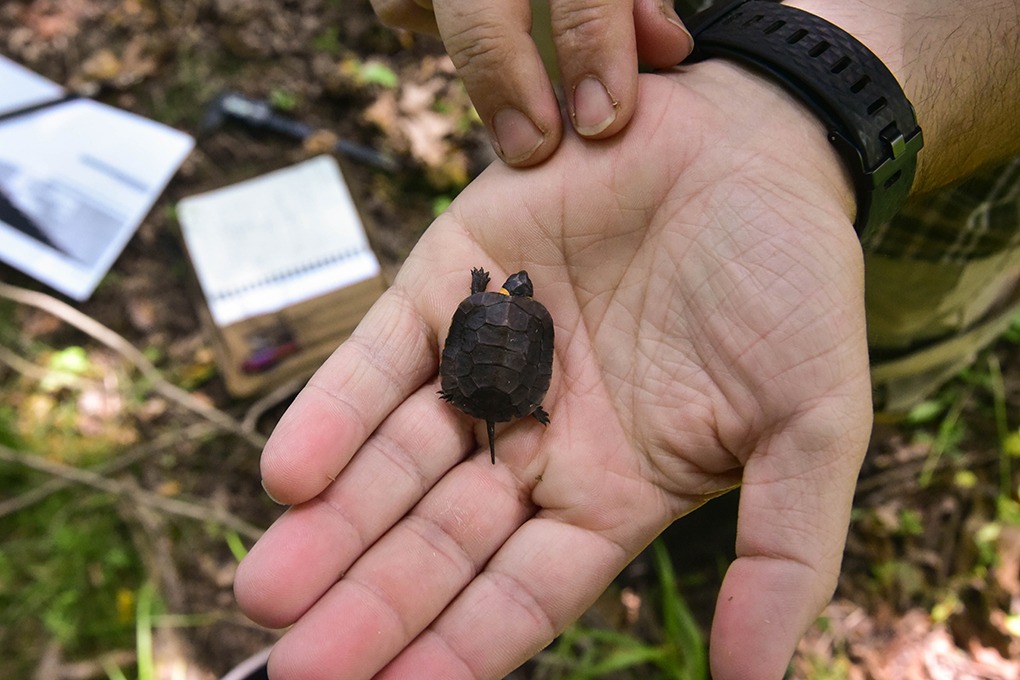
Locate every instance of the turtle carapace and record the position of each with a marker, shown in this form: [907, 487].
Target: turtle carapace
[497, 360]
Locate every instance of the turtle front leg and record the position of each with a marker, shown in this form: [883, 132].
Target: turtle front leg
[479, 280]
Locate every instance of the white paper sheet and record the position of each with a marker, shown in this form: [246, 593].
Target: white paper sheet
[20, 87]
[76, 180]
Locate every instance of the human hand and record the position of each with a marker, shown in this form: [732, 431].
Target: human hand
[598, 46]
[706, 286]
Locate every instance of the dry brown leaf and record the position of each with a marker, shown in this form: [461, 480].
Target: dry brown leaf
[426, 133]
[420, 97]
[1007, 571]
[319, 142]
[56, 20]
[409, 123]
[383, 113]
[102, 66]
[143, 313]
[137, 62]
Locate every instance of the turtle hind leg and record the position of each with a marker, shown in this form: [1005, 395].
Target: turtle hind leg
[490, 426]
[541, 415]
[479, 280]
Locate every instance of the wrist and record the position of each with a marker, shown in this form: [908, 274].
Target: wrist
[882, 32]
[754, 119]
[957, 62]
[866, 114]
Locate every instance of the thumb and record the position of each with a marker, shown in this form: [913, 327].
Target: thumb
[661, 38]
[794, 513]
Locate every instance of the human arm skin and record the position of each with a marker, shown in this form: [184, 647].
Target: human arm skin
[958, 63]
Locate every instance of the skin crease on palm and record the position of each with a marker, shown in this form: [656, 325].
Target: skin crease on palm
[705, 338]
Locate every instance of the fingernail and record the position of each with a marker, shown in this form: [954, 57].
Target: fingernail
[264, 488]
[594, 107]
[672, 17]
[516, 137]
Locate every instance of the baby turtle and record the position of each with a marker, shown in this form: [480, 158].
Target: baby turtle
[497, 361]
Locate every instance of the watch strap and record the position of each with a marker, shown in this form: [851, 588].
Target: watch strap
[869, 119]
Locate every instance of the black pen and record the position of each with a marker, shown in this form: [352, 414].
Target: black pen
[38, 106]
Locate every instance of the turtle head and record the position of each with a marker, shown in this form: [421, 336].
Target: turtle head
[519, 284]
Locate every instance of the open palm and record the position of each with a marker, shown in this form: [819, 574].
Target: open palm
[706, 291]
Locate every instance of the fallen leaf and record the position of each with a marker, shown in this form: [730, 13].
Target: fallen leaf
[426, 132]
[102, 66]
[55, 20]
[320, 142]
[1007, 570]
[383, 114]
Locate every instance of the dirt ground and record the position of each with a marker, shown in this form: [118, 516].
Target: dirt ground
[928, 590]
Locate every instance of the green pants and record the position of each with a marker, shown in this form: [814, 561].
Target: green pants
[927, 320]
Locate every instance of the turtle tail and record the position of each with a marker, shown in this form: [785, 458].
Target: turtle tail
[491, 427]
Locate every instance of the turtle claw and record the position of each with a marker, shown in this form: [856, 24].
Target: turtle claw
[541, 415]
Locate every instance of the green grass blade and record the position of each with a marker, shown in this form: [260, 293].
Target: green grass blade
[143, 633]
[683, 634]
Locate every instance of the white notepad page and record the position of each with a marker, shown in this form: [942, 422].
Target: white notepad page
[270, 242]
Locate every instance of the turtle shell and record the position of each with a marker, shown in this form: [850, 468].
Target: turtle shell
[497, 360]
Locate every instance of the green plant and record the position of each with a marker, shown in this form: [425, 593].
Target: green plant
[370, 72]
[236, 545]
[283, 100]
[838, 668]
[584, 652]
[949, 431]
[328, 41]
[144, 612]
[378, 73]
[67, 566]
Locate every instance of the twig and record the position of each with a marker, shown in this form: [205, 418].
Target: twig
[257, 409]
[113, 465]
[33, 371]
[902, 480]
[119, 344]
[172, 506]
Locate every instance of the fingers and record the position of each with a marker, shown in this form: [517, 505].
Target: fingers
[545, 576]
[662, 38]
[406, 14]
[407, 577]
[502, 68]
[490, 44]
[392, 352]
[597, 43]
[303, 554]
[598, 63]
[794, 514]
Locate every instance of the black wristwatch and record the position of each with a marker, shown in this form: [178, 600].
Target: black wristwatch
[869, 119]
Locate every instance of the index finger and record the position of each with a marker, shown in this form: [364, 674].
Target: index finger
[390, 354]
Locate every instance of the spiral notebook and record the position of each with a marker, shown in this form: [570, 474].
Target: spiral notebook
[285, 269]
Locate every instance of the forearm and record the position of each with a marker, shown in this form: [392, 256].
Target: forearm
[958, 62]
